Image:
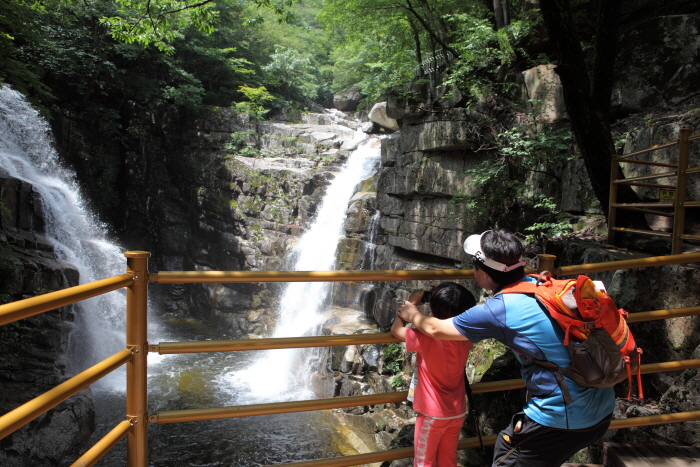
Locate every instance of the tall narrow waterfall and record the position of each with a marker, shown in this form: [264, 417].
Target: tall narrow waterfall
[279, 374]
[27, 153]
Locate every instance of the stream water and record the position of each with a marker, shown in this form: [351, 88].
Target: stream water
[191, 380]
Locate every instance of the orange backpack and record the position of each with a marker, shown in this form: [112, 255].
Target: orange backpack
[602, 349]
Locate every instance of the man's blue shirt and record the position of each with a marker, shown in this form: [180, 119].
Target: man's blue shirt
[518, 321]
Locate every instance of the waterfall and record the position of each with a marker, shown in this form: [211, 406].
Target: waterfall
[281, 374]
[27, 153]
[371, 243]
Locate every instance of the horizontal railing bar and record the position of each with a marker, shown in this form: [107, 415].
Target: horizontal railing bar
[691, 204]
[660, 419]
[628, 264]
[25, 413]
[643, 205]
[489, 440]
[271, 343]
[648, 211]
[690, 237]
[169, 277]
[102, 447]
[645, 177]
[356, 459]
[653, 233]
[656, 164]
[165, 348]
[649, 149]
[663, 314]
[215, 413]
[644, 184]
[692, 170]
[647, 368]
[35, 305]
[694, 137]
[192, 415]
[199, 277]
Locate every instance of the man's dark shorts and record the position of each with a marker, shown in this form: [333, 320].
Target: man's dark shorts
[537, 445]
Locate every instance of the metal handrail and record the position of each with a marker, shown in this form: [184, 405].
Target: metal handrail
[489, 440]
[201, 277]
[25, 413]
[104, 445]
[136, 280]
[36, 305]
[217, 413]
[679, 204]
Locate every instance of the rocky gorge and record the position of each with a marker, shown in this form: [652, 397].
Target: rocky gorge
[261, 185]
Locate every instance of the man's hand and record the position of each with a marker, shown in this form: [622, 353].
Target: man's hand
[408, 311]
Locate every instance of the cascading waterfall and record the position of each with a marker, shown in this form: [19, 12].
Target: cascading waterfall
[281, 374]
[27, 153]
[186, 381]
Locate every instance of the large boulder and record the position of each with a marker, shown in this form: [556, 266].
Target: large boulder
[379, 116]
[543, 89]
[348, 100]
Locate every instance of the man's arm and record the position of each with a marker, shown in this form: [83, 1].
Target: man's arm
[442, 329]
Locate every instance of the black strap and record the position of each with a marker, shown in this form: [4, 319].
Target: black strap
[472, 409]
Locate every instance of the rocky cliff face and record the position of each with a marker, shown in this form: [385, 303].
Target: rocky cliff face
[33, 350]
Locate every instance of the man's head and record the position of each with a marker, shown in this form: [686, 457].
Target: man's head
[497, 253]
[450, 299]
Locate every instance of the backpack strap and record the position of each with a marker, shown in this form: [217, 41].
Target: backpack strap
[559, 373]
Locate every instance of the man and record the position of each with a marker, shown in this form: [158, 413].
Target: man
[549, 430]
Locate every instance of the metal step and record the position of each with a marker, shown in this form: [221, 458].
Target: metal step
[637, 455]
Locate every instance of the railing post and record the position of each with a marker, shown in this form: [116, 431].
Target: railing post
[612, 212]
[681, 188]
[136, 370]
[545, 263]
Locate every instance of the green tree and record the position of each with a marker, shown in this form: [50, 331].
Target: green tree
[294, 72]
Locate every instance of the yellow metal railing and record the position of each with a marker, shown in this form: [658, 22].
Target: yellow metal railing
[676, 203]
[136, 279]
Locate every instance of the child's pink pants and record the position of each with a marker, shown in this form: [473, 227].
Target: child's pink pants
[435, 441]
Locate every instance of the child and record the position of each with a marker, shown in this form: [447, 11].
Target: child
[439, 394]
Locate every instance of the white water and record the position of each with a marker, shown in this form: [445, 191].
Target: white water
[27, 153]
[283, 374]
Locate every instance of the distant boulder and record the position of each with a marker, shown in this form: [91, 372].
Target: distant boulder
[348, 100]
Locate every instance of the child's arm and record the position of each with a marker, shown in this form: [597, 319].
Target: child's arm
[398, 329]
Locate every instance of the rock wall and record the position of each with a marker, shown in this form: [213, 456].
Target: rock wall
[33, 350]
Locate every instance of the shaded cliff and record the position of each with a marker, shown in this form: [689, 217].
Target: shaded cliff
[33, 350]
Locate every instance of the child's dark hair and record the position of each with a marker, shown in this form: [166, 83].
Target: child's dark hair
[450, 299]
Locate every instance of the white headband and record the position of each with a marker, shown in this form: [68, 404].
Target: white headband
[472, 245]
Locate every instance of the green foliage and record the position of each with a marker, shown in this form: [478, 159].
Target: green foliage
[483, 50]
[501, 181]
[19, 25]
[294, 72]
[550, 224]
[257, 98]
[159, 22]
[398, 381]
[393, 357]
[239, 144]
